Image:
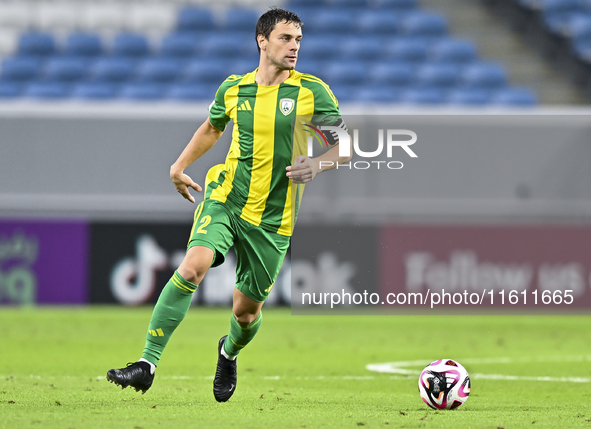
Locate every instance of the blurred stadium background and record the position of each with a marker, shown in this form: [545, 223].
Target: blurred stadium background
[97, 99]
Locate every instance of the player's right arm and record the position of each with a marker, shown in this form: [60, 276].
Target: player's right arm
[203, 140]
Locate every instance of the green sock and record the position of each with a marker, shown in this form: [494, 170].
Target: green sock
[171, 308]
[239, 337]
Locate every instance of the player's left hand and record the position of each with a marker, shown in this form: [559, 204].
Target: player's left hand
[303, 170]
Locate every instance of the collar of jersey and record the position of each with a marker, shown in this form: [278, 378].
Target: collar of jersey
[249, 78]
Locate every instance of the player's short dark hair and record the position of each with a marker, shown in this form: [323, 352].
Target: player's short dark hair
[268, 20]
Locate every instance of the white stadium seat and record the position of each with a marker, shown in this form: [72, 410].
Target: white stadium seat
[15, 15]
[60, 16]
[8, 41]
[152, 18]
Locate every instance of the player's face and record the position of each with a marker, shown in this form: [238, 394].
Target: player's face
[283, 45]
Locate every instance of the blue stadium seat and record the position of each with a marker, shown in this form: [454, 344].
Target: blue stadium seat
[180, 45]
[438, 75]
[36, 43]
[142, 91]
[484, 75]
[241, 19]
[10, 89]
[193, 18]
[408, 49]
[19, 68]
[514, 97]
[240, 66]
[299, 5]
[578, 27]
[423, 24]
[452, 50]
[131, 45]
[159, 70]
[95, 90]
[346, 73]
[423, 96]
[113, 69]
[469, 96]
[83, 44]
[48, 90]
[378, 22]
[582, 49]
[327, 20]
[308, 66]
[367, 48]
[401, 5]
[318, 47]
[349, 4]
[206, 71]
[228, 45]
[66, 69]
[191, 92]
[377, 94]
[394, 73]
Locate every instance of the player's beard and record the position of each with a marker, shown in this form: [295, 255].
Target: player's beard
[282, 63]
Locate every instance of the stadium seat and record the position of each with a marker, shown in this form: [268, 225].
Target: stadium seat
[408, 49]
[142, 91]
[94, 90]
[240, 66]
[377, 94]
[438, 75]
[9, 89]
[452, 50]
[227, 45]
[394, 73]
[348, 4]
[296, 5]
[345, 73]
[240, 19]
[66, 69]
[36, 43]
[378, 22]
[319, 47]
[514, 97]
[423, 24]
[327, 20]
[309, 66]
[483, 75]
[423, 96]
[366, 48]
[159, 70]
[193, 18]
[468, 96]
[398, 5]
[578, 27]
[131, 45]
[19, 69]
[583, 50]
[180, 45]
[191, 92]
[206, 71]
[83, 44]
[53, 90]
[112, 69]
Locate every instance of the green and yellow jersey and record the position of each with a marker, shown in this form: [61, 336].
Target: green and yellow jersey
[253, 180]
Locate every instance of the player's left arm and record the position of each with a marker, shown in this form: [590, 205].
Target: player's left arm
[304, 169]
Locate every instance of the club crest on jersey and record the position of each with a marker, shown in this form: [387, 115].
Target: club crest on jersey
[286, 105]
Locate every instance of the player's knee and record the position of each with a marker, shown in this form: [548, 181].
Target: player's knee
[245, 319]
[191, 273]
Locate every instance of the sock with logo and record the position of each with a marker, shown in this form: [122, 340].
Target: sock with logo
[239, 337]
[171, 308]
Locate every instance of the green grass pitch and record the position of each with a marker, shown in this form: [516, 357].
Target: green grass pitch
[299, 372]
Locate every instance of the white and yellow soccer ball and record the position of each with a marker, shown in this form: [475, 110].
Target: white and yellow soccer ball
[444, 384]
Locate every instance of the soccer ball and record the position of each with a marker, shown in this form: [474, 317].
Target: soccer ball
[444, 384]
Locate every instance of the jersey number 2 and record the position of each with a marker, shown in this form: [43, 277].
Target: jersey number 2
[204, 222]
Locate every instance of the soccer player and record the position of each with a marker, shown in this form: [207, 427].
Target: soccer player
[247, 201]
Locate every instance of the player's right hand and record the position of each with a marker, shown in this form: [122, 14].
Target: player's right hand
[182, 183]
